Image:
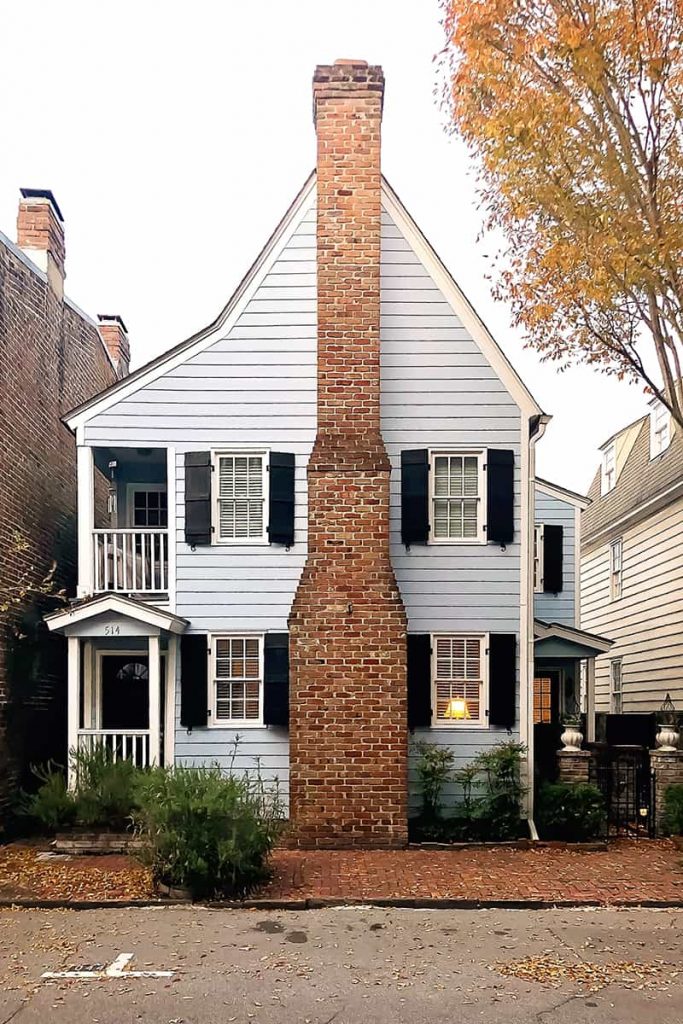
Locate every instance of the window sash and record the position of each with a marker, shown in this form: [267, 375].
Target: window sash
[616, 688]
[456, 497]
[660, 433]
[608, 469]
[237, 679]
[615, 569]
[538, 558]
[458, 680]
[240, 499]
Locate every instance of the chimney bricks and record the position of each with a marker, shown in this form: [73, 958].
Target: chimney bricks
[40, 233]
[115, 336]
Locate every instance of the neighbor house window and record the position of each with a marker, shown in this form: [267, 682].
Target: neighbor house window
[458, 671]
[538, 558]
[237, 663]
[660, 430]
[240, 500]
[616, 702]
[456, 500]
[615, 569]
[609, 468]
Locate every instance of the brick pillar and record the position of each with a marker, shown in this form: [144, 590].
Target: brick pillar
[40, 233]
[667, 766]
[348, 729]
[573, 766]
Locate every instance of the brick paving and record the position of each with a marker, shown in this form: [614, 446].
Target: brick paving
[628, 871]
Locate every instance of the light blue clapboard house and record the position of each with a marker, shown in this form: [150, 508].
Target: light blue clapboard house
[192, 530]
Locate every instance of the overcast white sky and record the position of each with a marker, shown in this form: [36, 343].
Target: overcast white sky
[175, 134]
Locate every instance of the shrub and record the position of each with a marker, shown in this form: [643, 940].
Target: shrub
[106, 789]
[434, 766]
[496, 810]
[673, 810]
[52, 805]
[570, 812]
[205, 831]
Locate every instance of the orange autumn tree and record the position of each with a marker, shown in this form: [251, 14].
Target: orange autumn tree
[572, 109]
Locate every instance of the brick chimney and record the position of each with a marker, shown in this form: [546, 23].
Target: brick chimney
[115, 336]
[348, 731]
[40, 233]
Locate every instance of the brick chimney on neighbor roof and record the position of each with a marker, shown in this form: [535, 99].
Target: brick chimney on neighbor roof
[40, 233]
[115, 336]
[348, 729]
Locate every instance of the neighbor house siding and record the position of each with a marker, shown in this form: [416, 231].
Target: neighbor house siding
[647, 621]
[559, 607]
[439, 391]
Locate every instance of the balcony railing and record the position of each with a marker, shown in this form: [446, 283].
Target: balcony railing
[131, 561]
[119, 743]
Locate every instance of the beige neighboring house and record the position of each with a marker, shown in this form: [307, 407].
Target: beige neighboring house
[632, 566]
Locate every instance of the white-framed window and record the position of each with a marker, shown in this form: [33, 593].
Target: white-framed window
[609, 468]
[616, 558]
[615, 687]
[457, 497]
[237, 679]
[660, 430]
[239, 505]
[459, 679]
[538, 558]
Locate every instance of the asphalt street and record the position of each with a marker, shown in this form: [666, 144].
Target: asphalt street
[350, 966]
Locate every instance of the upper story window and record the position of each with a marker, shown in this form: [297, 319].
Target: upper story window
[660, 430]
[615, 569]
[240, 483]
[459, 680]
[538, 558]
[609, 468]
[237, 677]
[616, 694]
[456, 506]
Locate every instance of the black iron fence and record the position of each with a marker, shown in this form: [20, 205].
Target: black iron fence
[627, 783]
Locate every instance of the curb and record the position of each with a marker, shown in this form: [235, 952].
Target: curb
[312, 903]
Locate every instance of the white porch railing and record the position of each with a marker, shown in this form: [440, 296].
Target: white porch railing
[131, 561]
[120, 743]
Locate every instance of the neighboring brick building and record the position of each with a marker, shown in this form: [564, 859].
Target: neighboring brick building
[52, 356]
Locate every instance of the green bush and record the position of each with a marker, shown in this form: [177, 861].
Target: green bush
[434, 767]
[106, 789]
[52, 806]
[205, 831]
[570, 812]
[673, 810]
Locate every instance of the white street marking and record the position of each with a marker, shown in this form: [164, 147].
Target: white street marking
[118, 968]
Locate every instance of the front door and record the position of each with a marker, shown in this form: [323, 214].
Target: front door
[125, 691]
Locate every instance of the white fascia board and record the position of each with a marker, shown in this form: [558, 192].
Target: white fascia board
[115, 604]
[557, 491]
[222, 325]
[460, 304]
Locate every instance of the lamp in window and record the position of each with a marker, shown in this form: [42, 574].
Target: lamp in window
[667, 731]
[457, 709]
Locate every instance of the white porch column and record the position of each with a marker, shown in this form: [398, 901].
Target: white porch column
[73, 703]
[590, 700]
[86, 520]
[154, 701]
[169, 718]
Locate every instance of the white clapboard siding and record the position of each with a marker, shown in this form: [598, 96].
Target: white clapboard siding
[559, 607]
[647, 621]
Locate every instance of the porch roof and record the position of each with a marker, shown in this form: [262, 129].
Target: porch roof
[554, 639]
[115, 604]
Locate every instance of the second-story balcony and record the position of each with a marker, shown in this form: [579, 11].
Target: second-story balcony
[123, 496]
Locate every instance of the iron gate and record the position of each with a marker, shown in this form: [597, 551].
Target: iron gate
[627, 784]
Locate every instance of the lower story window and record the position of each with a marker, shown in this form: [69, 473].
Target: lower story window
[238, 679]
[616, 698]
[458, 679]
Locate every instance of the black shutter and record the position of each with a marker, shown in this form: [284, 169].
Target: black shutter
[415, 496]
[276, 679]
[194, 689]
[502, 679]
[197, 498]
[419, 680]
[500, 495]
[552, 559]
[281, 501]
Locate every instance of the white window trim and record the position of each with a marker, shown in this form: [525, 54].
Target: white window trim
[612, 692]
[539, 531]
[604, 488]
[655, 450]
[480, 455]
[233, 723]
[616, 593]
[468, 723]
[216, 539]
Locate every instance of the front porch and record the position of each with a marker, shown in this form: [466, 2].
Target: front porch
[122, 657]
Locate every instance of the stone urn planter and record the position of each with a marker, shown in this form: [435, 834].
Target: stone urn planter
[571, 737]
[668, 733]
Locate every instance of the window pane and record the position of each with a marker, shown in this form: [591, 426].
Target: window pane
[458, 678]
[440, 475]
[237, 677]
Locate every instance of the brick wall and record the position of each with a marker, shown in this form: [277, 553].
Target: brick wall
[51, 359]
[348, 733]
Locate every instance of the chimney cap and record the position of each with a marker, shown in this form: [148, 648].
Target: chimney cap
[112, 318]
[42, 193]
[350, 61]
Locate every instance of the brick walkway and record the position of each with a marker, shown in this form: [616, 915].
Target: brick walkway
[630, 871]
